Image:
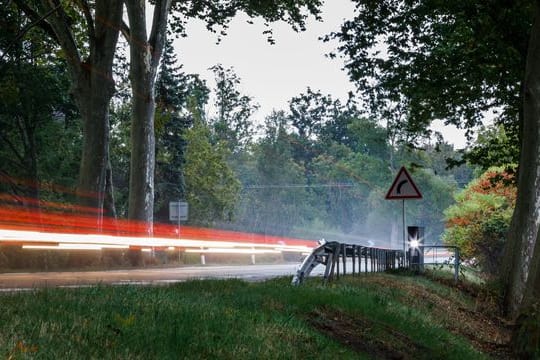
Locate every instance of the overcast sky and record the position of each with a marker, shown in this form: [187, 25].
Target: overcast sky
[273, 74]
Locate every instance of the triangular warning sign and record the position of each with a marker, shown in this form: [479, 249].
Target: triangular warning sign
[403, 187]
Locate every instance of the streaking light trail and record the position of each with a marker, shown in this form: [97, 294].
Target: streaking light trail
[32, 228]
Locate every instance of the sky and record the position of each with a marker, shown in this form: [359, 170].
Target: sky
[273, 74]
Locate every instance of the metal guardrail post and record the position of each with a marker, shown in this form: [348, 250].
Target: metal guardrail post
[456, 264]
[335, 265]
[353, 255]
[343, 251]
[329, 261]
[365, 260]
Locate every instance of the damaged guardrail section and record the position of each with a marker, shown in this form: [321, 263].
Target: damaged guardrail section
[337, 257]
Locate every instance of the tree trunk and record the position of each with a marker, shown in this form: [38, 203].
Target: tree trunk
[144, 57]
[518, 260]
[92, 80]
[526, 334]
[522, 284]
[93, 91]
[94, 109]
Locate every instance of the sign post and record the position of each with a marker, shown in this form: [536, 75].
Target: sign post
[403, 188]
[178, 211]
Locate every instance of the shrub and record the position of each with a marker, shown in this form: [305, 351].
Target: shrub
[479, 220]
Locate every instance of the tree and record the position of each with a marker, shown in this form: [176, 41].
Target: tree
[493, 147]
[176, 92]
[87, 34]
[145, 56]
[349, 178]
[234, 111]
[479, 221]
[34, 108]
[146, 52]
[521, 269]
[211, 186]
[275, 202]
[309, 113]
[439, 60]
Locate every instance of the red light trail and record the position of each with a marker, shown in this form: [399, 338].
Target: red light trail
[60, 229]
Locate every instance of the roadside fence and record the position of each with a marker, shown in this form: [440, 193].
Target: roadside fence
[339, 259]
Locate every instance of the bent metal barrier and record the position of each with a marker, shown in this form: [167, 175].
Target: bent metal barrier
[363, 259]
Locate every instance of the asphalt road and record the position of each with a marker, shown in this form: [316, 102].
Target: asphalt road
[155, 276]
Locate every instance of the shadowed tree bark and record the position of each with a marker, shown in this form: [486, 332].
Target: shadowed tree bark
[145, 54]
[522, 279]
[90, 67]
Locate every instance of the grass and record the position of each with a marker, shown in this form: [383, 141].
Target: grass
[375, 316]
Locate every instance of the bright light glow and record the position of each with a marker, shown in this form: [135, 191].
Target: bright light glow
[64, 246]
[415, 243]
[232, 251]
[39, 229]
[97, 242]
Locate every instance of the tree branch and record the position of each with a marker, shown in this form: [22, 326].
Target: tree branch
[37, 22]
[37, 19]
[159, 30]
[13, 149]
[124, 28]
[83, 5]
[63, 34]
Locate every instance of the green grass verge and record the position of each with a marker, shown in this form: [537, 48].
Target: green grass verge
[360, 317]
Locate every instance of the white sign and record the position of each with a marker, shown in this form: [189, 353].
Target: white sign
[403, 187]
[178, 211]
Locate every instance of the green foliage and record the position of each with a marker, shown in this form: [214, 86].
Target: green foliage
[233, 123]
[324, 166]
[217, 14]
[425, 60]
[494, 146]
[211, 185]
[40, 136]
[120, 118]
[276, 199]
[479, 220]
[178, 96]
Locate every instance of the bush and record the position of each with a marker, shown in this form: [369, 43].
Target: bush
[479, 220]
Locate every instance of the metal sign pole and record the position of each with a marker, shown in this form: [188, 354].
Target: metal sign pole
[404, 230]
[178, 219]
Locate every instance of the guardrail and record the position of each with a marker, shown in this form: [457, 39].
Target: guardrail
[335, 255]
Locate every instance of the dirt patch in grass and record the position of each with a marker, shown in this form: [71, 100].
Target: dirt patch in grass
[460, 311]
[366, 336]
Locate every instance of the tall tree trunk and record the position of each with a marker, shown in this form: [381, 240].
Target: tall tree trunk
[94, 109]
[518, 260]
[145, 54]
[523, 287]
[92, 81]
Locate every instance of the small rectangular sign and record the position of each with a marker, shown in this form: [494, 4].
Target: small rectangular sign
[178, 211]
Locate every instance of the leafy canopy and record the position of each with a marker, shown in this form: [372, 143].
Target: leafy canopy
[433, 59]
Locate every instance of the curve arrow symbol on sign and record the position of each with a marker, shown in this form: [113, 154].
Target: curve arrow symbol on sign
[401, 183]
